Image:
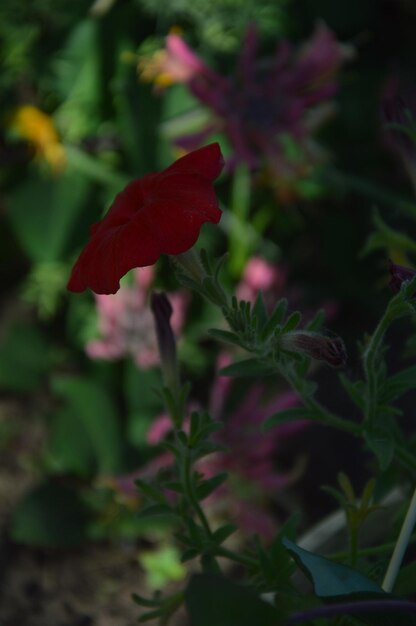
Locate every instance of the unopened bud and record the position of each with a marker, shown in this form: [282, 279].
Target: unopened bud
[399, 274]
[330, 349]
[162, 312]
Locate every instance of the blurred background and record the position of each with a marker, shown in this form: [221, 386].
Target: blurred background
[312, 104]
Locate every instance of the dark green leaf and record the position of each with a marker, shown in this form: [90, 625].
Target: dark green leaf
[382, 446]
[330, 579]
[275, 319]
[213, 600]
[222, 533]
[92, 405]
[259, 311]
[288, 415]
[399, 384]
[24, 359]
[248, 367]
[292, 322]
[52, 516]
[210, 485]
[224, 335]
[156, 510]
[354, 390]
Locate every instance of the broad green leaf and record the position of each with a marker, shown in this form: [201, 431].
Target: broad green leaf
[25, 358]
[248, 367]
[93, 406]
[69, 448]
[43, 211]
[288, 415]
[332, 580]
[213, 600]
[51, 515]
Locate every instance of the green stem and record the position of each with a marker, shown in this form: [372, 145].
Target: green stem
[374, 551]
[366, 188]
[238, 558]
[189, 490]
[353, 546]
[323, 415]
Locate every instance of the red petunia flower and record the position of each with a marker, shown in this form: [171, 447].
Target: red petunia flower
[161, 213]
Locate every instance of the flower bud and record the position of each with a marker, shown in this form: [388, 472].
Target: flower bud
[162, 312]
[330, 349]
[399, 274]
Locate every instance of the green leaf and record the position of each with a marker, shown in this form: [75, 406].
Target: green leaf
[288, 415]
[292, 322]
[382, 446]
[156, 510]
[93, 406]
[222, 533]
[316, 323]
[332, 580]
[259, 311]
[224, 335]
[44, 211]
[24, 359]
[213, 600]
[210, 485]
[248, 367]
[50, 516]
[275, 319]
[399, 384]
[354, 390]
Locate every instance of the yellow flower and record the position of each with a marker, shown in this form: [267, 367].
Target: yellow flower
[36, 127]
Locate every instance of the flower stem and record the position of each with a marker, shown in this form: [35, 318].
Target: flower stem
[401, 545]
[192, 497]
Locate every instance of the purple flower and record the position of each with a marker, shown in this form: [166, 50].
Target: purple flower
[269, 104]
[399, 274]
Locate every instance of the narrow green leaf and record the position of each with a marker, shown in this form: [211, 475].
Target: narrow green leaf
[248, 367]
[210, 485]
[224, 335]
[156, 510]
[292, 322]
[382, 446]
[288, 415]
[354, 390]
[275, 319]
[399, 384]
[259, 311]
[222, 533]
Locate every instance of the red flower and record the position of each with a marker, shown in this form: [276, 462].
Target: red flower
[161, 213]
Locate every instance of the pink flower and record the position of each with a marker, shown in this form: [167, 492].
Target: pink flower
[261, 275]
[126, 323]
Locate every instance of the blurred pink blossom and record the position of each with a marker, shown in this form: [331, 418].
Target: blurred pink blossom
[126, 323]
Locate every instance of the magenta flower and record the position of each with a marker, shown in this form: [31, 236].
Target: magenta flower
[126, 323]
[267, 101]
